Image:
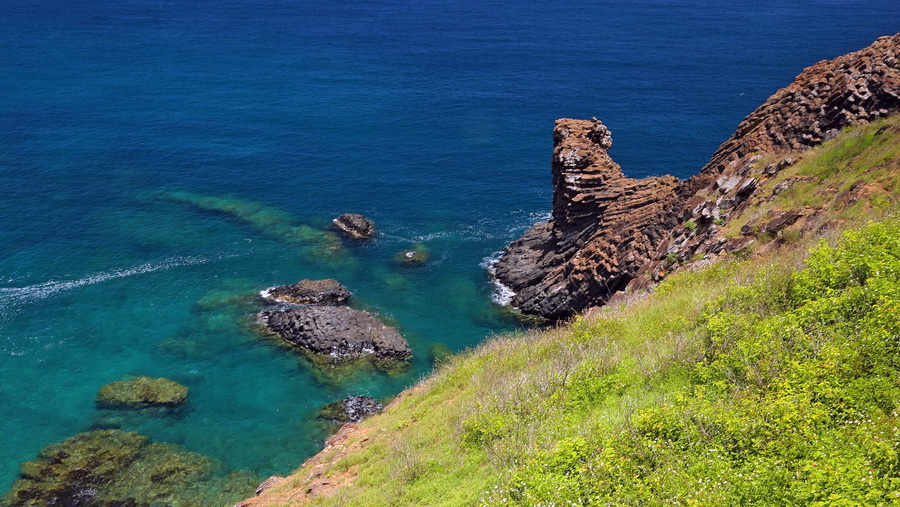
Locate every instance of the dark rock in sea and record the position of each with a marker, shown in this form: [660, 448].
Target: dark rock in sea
[352, 409]
[307, 292]
[113, 467]
[355, 225]
[608, 232]
[415, 256]
[337, 331]
[142, 392]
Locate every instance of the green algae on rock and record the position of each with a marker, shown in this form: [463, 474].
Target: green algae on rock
[114, 467]
[415, 256]
[142, 392]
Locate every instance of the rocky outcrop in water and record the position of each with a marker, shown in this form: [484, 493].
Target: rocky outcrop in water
[352, 409]
[418, 255]
[337, 331]
[306, 292]
[355, 225]
[608, 232]
[142, 392]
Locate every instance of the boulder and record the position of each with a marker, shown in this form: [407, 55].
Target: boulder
[308, 292]
[354, 225]
[352, 409]
[337, 331]
[142, 392]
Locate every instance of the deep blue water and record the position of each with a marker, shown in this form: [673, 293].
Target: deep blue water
[433, 118]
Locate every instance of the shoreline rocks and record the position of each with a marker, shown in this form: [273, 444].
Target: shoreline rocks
[354, 225]
[351, 409]
[307, 292]
[338, 332]
[142, 392]
[609, 233]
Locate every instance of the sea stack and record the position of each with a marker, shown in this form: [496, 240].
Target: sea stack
[609, 233]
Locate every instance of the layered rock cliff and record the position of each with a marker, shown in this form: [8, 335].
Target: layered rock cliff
[608, 232]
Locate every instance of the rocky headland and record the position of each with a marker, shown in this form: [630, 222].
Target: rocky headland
[609, 233]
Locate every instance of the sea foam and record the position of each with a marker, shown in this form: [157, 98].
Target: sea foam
[10, 296]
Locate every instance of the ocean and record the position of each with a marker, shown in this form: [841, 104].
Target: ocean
[156, 155]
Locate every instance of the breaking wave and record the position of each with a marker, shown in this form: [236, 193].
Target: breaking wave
[15, 295]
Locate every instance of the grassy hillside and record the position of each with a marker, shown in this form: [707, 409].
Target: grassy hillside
[768, 380]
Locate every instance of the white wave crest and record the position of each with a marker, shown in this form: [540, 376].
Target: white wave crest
[502, 295]
[14, 295]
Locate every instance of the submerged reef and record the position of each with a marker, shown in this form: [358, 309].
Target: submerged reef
[415, 256]
[142, 392]
[323, 245]
[114, 467]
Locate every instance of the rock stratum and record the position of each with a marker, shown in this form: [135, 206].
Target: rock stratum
[609, 233]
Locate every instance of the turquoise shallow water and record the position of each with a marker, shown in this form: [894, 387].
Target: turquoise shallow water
[433, 118]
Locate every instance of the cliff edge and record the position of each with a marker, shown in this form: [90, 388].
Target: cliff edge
[609, 233]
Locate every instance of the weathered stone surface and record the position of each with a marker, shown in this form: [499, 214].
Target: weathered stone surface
[604, 226]
[307, 292]
[337, 331]
[608, 232]
[142, 392]
[352, 409]
[355, 225]
[782, 221]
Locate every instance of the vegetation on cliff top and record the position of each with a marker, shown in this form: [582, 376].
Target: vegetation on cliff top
[769, 380]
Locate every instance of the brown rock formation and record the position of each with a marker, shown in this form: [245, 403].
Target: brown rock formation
[354, 225]
[608, 231]
[603, 224]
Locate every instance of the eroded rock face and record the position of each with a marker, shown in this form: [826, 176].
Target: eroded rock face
[352, 409]
[307, 292]
[609, 232]
[355, 225]
[142, 392]
[337, 331]
[604, 227]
